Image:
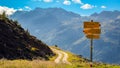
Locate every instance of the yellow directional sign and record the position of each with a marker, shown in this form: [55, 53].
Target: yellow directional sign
[91, 25]
[93, 36]
[92, 31]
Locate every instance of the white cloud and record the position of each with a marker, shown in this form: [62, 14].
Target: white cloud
[77, 1]
[67, 2]
[20, 9]
[27, 8]
[47, 1]
[103, 6]
[87, 6]
[9, 11]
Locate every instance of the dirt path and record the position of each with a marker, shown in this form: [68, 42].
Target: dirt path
[64, 60]
[58, 59]
[62, 57]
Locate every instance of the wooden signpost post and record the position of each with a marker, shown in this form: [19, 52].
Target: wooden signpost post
[92, 31]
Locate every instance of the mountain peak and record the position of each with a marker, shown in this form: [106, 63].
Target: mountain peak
[55, 8]
[107, 14]
[94, 14]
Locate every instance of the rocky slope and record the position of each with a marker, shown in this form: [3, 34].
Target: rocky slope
[17, 43]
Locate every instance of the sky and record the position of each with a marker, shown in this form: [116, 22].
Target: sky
[82, 7]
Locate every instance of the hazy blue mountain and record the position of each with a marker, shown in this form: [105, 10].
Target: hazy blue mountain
[107, 14]
[65, 29]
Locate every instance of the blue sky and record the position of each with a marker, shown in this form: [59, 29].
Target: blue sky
[82, 7]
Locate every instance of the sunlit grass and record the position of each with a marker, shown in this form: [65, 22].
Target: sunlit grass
[80, 62]
[50, 64]
[77, 62]
[30, 64]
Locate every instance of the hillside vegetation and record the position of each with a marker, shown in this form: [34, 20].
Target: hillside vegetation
[77, 62]
[17, 43]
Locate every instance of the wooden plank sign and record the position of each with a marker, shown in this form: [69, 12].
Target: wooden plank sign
[93, 36]
[91, 25]
[92, 31]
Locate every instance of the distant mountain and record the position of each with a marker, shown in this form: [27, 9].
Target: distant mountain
[17, 43]
[56, 26]
[107, 14]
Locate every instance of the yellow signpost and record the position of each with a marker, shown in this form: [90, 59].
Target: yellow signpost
[93, 36]
[92, 31]
[91, 25]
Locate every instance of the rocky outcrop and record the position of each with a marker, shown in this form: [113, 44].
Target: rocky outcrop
[16, 43]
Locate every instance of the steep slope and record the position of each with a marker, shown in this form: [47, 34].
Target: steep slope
[65, 29]
[16, 43]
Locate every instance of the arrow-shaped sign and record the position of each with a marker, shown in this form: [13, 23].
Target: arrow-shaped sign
[92, 31]
[91, 25]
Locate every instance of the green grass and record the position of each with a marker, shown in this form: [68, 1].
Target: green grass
[77, 62]
[80, 62]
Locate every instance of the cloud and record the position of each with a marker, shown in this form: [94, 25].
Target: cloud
[87, 6]
[20, 9]
[103, 6]
[77, 1]
[9, 11]
[67, 2]
[27, 8]
[47, 1]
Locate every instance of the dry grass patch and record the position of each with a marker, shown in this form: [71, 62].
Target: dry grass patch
[30, 64]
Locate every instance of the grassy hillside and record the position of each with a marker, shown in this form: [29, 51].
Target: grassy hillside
[81, 62]
[77, 62]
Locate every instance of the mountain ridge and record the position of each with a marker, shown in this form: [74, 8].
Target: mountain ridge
[66, 31]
